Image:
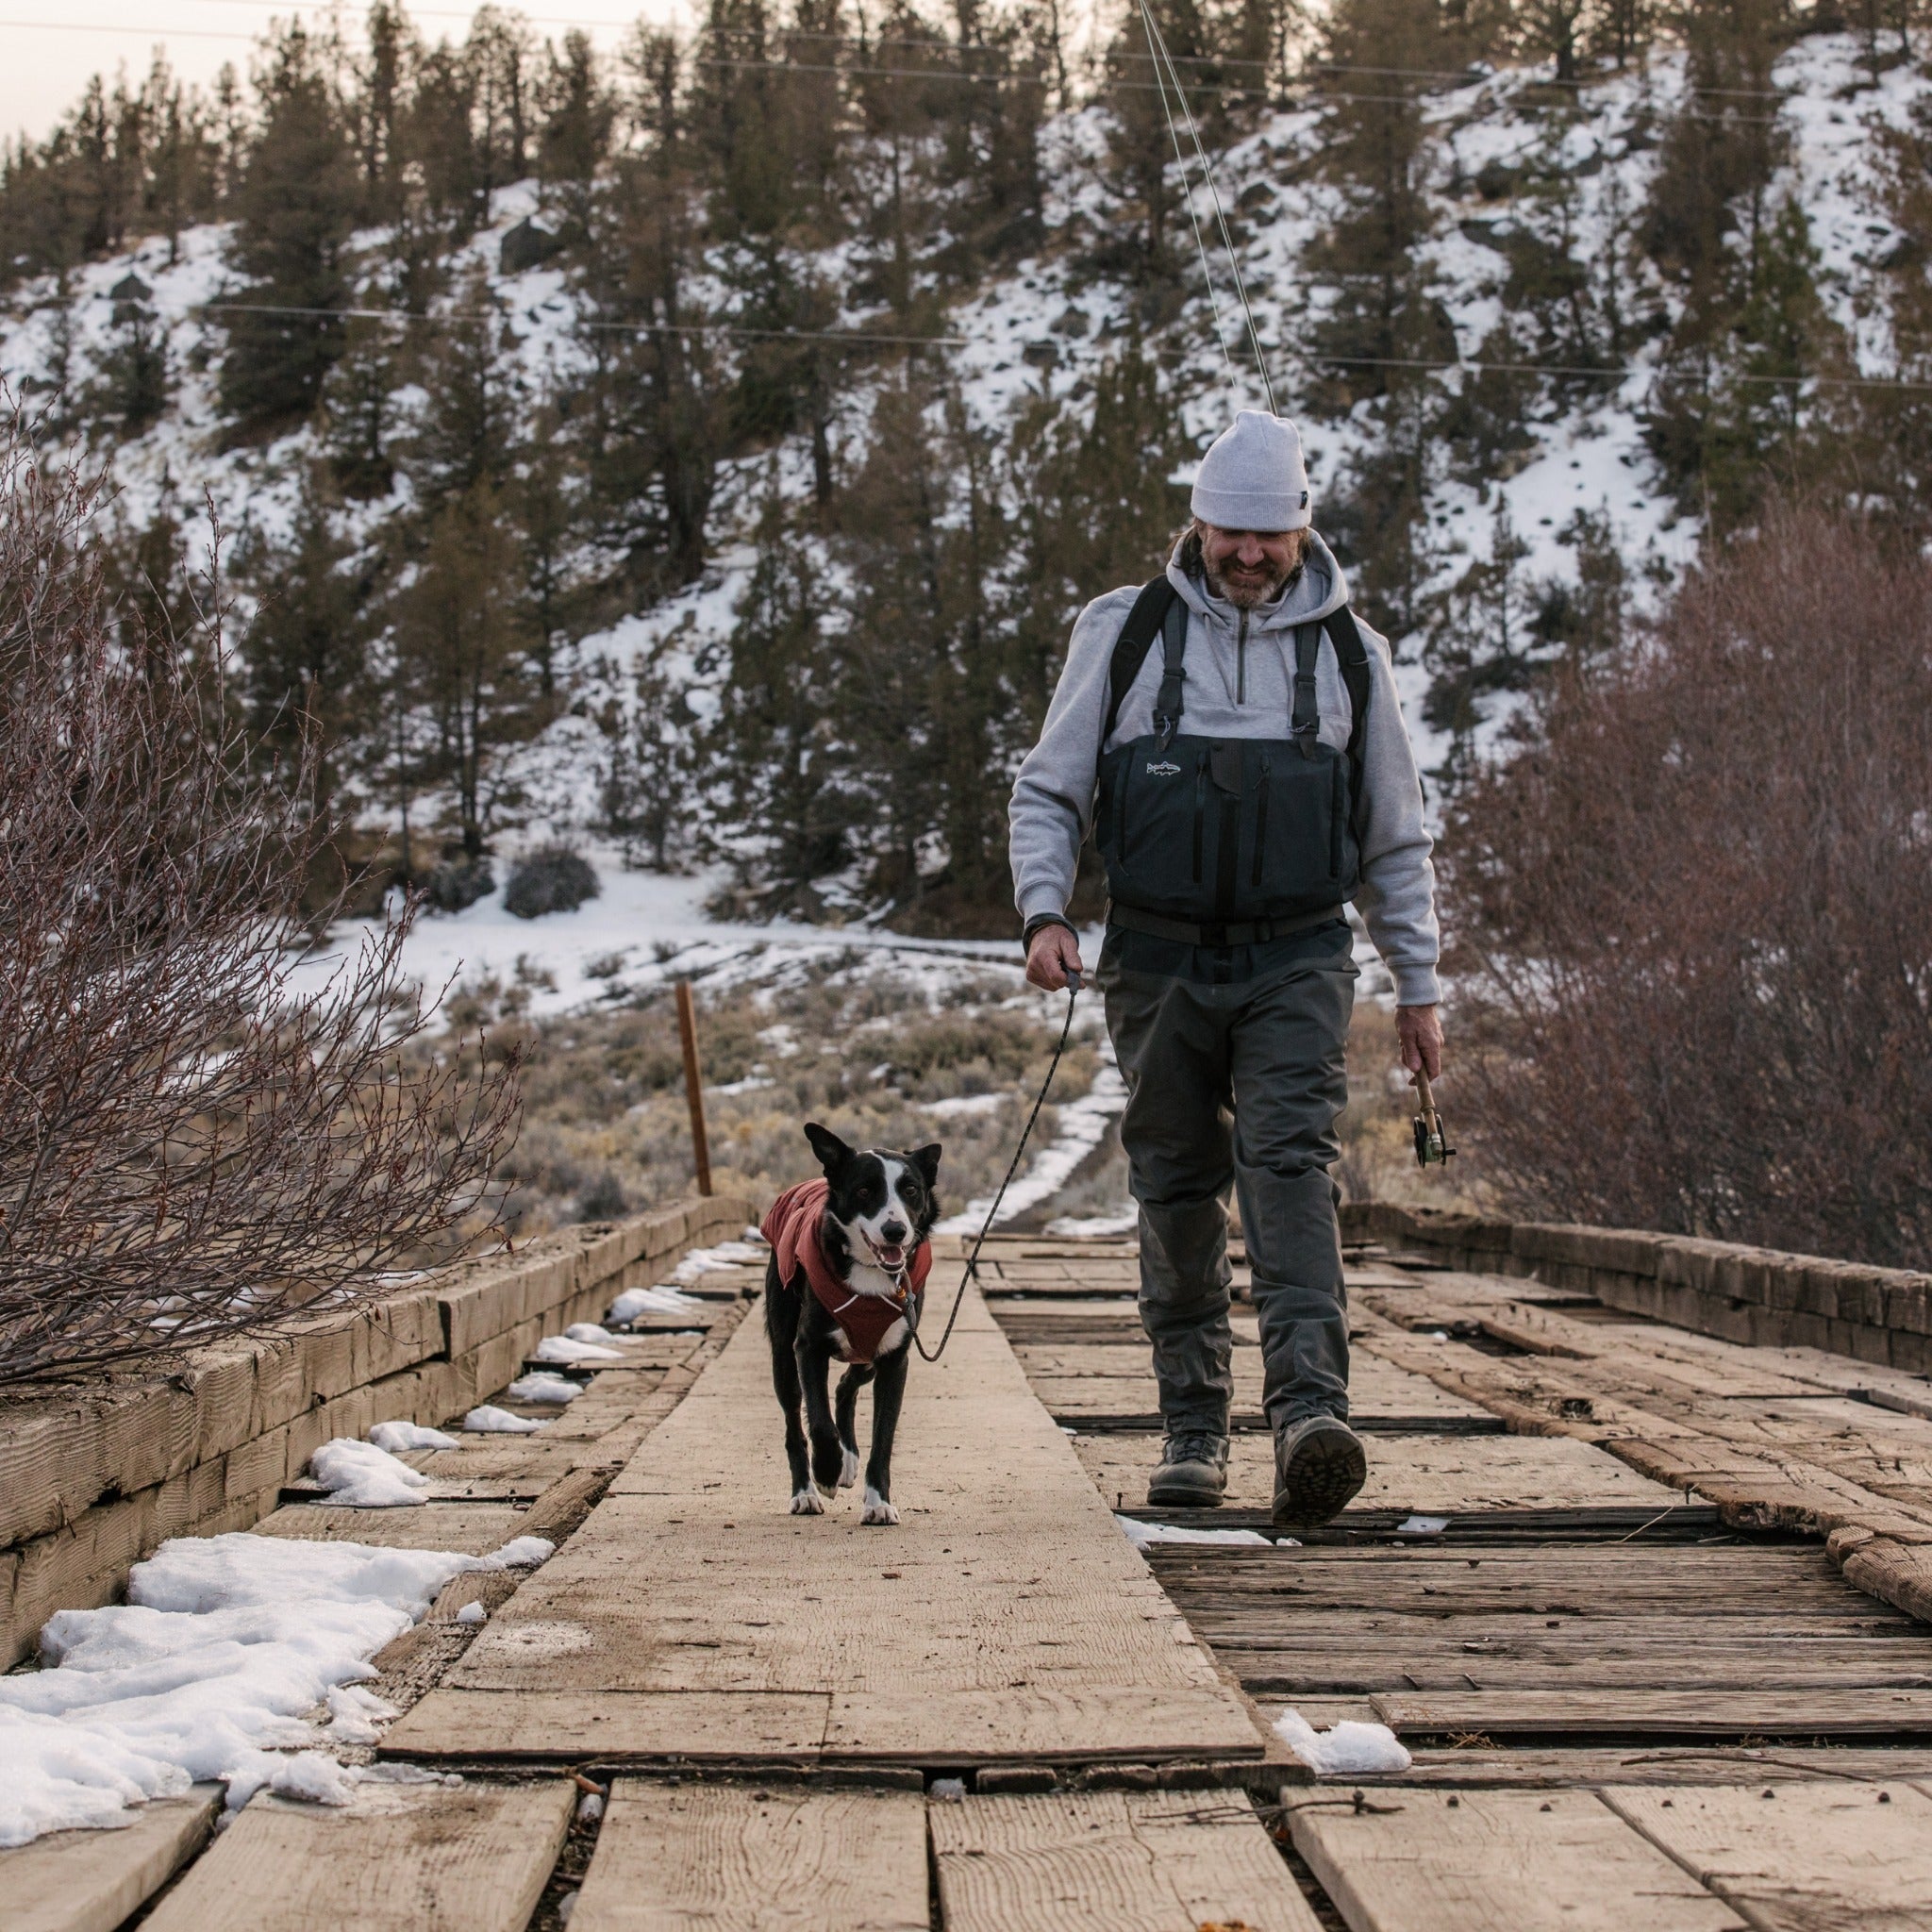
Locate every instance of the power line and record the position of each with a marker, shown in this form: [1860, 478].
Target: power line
[1475, 365]
[448, 317]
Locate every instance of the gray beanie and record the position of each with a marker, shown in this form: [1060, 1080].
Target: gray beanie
[1254, 477]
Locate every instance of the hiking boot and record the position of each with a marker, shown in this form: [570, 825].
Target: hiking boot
[1319, 1466]
[1193, 1473]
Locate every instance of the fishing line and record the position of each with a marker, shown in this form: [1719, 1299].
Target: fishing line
[1156, 42]
[1186, 191]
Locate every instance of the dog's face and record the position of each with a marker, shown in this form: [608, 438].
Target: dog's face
[884, 1201]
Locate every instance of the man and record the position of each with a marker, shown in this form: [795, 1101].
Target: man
[1253, 774]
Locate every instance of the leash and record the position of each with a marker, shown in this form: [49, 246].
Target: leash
[970, 1272]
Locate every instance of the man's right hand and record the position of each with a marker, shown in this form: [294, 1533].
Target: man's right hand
[1054, 951]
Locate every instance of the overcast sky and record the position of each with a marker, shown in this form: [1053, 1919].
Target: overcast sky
[48, 48]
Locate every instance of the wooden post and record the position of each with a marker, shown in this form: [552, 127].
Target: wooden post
[693, 1084]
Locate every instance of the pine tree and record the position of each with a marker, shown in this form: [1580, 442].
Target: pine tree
[133, 388]
[654, 415]
[306, 650]
[462, 640]
[1383, 330]
[358, 409]
[1481, 642]
[650, 774]
[776, 763]
[466, 425]
[1095, 510]
[295, 208]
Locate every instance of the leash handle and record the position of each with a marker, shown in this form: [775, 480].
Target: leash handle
[971, 1271]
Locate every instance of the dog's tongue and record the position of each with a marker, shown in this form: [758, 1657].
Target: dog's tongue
[890, 1255]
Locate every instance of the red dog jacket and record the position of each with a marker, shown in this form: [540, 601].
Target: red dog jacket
[791, 1226]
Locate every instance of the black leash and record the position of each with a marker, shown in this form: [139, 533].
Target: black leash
[970, 1272]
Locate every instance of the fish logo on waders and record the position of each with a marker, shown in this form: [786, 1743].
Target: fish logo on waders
[1166, 769]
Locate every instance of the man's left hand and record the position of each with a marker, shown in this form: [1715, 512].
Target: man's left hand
[1420, 1031]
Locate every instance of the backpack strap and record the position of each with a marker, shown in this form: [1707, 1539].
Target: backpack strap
[1351, 655]
[1148, 617]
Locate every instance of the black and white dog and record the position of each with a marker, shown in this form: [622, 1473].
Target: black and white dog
[850, 1255]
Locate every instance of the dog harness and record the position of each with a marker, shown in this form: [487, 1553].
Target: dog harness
[791, 1226]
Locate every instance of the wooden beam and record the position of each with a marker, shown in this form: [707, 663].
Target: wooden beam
[1111, 1862]
[780, 1858]
[1474, 1861]
[469, 1858]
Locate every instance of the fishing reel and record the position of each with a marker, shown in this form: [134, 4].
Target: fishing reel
[1432, 1148]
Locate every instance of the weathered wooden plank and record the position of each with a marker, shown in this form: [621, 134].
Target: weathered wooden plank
[1430, 1474]
[1803, 1858]
[1111, 1862]
[476, 1528]
[1474, 1861]
[790, 1859]
[402, 1859]
[1591, 1767]
[1845, 1713]
[89, 1881]
[546, 1725]
[1006, 1604]
[1044, 1719]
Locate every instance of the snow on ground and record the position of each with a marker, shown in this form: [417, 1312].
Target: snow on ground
[364, 1475]
[1083, 1124]
[1142, 1534]
[213, 1668]
[541, 1384]
[486, 1419]
[1348, 1749]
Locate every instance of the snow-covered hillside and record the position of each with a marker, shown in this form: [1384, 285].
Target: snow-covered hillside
[1047, 324]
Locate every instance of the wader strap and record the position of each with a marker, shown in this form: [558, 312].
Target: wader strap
[1130, 648]
[1170, 699]
[1250, 932]
[1305, 726]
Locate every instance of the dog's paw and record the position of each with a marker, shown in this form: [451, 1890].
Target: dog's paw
[809, 1502]
[877, 1509]
[849, 1474]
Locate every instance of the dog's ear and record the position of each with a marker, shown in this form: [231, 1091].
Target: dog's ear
[926, 1160]
[832, 1152]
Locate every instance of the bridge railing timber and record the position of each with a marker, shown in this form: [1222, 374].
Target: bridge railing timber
[93, 1479]
[1725, 1288]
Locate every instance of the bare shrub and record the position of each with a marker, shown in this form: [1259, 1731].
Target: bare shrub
[1695, 915]
[552, 878]
[200, 1134]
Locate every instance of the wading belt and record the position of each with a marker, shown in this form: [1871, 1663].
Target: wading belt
[1246, 932]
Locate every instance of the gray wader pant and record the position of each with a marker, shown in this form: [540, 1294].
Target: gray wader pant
[1270, 1050]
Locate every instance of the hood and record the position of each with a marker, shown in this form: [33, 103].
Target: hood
[1320, 589]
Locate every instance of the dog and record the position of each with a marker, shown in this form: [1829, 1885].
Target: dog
[850, 1255]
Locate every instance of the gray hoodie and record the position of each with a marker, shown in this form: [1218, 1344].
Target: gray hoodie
[1239, 684]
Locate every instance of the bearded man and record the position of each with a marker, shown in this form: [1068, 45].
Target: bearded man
[1231, 734]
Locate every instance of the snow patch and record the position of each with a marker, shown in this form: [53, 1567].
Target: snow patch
[211, 1669]
[1141, 1534]
[486, 1419]
[540, 1387]
[1347, 1749]
[364, 1475]
[396, 1437]
[634, 1302]
[560, 1348]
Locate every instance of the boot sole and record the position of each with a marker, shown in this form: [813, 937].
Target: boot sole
[1322, 1479]
[1182, 1496]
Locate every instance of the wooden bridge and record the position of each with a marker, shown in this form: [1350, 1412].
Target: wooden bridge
[1579, 1585]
